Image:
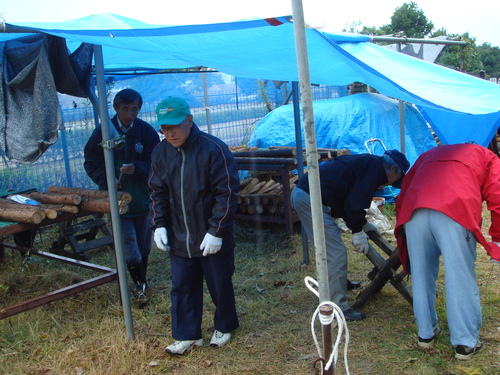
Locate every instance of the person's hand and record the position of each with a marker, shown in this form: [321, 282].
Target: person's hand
[161, 239]
[370, 227]
[127, 168]
[360, 242]
[210, 244]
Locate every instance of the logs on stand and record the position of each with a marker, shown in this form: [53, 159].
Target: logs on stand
[262, 194]
[18, 212]
[262, 197]
[60, 200]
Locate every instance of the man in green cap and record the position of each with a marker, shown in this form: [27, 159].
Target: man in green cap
[194, 183]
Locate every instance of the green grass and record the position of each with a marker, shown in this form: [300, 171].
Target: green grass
[85, 333]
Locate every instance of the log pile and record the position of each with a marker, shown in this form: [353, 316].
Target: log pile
[58, 200]
[262, 197]
[262, 193]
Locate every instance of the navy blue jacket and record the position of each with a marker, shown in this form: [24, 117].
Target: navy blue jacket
[194, 191]
[140, 142]
[348, 184]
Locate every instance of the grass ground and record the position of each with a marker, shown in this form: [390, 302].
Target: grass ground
[85, 334]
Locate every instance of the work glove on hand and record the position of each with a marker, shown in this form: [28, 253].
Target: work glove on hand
[370, 227]
[161, 239]
[360, 242]
[210, 244]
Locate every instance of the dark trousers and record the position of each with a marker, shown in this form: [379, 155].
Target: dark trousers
[187, 294]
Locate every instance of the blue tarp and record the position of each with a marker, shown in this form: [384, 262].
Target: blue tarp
[347, 123]
[265, 49]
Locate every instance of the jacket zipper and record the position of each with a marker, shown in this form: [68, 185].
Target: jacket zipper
[182, 202]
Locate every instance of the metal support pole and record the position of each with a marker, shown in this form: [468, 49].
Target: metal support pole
[402, 126]
[311, 150]
[62, 132]
[207, 107]
[113, 198]
[300, 161]
[327, 310]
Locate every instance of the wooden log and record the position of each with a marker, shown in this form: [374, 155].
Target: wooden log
[274, 153]
[270, 188]
[122, 195]
[256, 188]
[101, 205]
[266, 186]
[7, 203]
[22, 216]
[249, 186]
[242, 208]
[60, 207]
[244, 182]
[250, 209]
[55, 198]
[271, 208]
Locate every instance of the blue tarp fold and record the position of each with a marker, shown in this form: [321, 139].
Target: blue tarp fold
[265, 49]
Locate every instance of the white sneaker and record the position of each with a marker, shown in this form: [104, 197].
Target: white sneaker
[220, 339]
[183, 347]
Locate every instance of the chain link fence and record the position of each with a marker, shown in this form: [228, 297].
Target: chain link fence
[232, 118]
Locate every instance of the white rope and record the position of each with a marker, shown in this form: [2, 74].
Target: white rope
[325, 320]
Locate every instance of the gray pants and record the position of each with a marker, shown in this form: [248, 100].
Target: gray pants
[431, 234]
[336, 252]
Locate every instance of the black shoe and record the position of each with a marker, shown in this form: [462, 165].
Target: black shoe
[352, 315]
[429, 343]
[465, 353]
[351, 285]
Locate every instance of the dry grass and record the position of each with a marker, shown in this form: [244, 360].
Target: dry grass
[85, 334]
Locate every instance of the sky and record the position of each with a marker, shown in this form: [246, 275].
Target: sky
[480, 18]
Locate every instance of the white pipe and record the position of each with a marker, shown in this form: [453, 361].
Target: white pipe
[311, 150]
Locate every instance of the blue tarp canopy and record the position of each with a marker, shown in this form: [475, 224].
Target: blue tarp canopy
[348, 122]
[458, 106]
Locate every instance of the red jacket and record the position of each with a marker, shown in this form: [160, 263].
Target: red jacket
[455, 180]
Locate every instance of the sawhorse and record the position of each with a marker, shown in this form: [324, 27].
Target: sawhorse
[71, 233]
[385, 269]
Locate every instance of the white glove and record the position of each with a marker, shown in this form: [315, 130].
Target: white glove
[360, 242]
[370, 227]
[161, 239]
[210, 244]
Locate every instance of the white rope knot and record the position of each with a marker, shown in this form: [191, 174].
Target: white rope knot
[327, 319]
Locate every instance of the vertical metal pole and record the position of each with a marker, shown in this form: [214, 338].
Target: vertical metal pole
[402, 139]
[311, 150]
[207, 107]
[62, 131]
[311, 154]
[113, 198]
[402, 126]
[327, 310]
[300, 161]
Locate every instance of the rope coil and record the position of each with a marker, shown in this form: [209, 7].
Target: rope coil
[337, 315]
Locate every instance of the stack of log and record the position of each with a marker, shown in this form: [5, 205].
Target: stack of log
[60, 199]
[280, 154]
[262, 197]
[262, 194]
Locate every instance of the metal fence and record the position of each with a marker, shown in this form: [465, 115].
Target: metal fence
[62, 164]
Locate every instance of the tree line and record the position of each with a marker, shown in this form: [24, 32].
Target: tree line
[410, 21]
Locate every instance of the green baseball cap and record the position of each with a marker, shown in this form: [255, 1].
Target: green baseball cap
[172, 111]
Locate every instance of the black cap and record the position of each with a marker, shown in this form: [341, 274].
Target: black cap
[402, 163]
